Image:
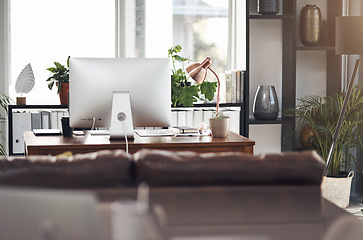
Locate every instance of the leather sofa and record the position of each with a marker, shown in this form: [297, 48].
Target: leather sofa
[198, 192]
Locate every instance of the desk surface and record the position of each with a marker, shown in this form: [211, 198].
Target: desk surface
[44, 145]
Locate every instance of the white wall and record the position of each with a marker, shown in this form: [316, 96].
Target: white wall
[265, 69]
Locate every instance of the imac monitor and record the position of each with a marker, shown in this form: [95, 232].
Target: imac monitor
[95, 81]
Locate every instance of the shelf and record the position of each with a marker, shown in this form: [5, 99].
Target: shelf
[305, 48]
[36, 106]
[266, 16]
[213, 105]
[254, 121]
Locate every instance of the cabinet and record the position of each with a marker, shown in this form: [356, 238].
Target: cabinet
[292, 66]
[28, 117]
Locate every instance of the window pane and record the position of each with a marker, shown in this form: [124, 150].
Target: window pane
[199, 26]
[44, 31]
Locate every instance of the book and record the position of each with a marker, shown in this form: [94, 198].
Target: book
[45, 119]
[182, 129]
[36, 119]
[228, 77]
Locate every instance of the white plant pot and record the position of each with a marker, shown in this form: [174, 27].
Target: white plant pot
[337, 190]
[219, 127]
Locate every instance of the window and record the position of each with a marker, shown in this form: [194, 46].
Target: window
[44, 31]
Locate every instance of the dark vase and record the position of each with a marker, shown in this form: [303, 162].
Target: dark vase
[310, 25]
[268, 6]
[265, 106]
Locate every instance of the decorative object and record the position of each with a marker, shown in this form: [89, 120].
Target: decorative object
[60, 76]
[337, 189]
[183, 93]
[310, 25]
[268, 6]
[24, 84]
[198, 72]
[306, 133]
[265, 105]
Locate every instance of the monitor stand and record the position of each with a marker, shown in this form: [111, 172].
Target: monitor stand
[121, 117]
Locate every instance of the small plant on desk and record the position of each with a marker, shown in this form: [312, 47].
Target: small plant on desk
[220, 115]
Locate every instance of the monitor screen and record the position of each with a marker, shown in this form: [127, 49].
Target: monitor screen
[93, 82]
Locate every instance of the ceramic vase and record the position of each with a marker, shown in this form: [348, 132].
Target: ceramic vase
[310, 25]
[265, 106]
[268, 6]
[219, 127]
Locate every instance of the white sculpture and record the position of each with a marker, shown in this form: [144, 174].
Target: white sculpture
[24, 83]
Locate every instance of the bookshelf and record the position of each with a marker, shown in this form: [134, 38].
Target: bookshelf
[292, 59]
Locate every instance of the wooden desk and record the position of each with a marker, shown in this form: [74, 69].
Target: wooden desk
[44, 145]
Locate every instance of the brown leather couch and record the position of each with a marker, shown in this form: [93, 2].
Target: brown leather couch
[192, 188]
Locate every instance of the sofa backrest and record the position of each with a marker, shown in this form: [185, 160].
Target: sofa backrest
[165, 168]
[162, 168]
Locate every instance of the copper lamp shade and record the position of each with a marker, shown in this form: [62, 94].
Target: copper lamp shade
[198, 72]
[348, 40]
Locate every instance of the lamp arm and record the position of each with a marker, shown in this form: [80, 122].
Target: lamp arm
[218, 87]
[341, 115]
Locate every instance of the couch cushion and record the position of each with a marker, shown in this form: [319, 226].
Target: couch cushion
[98, 169]
[164, 168]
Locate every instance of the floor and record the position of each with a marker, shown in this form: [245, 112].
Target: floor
[355, 208]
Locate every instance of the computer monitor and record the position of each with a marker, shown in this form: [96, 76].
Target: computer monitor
[96, 82]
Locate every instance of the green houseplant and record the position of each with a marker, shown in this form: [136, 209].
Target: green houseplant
[321, 114]
[183, 93]
[4, 102]
[60, 77]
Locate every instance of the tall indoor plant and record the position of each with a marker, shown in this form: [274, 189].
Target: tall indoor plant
[320, 115]
[60, 77]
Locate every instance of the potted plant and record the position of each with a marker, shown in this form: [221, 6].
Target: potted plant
[183, 93]
[4, 102]
[60, 76]
[219, 124]
[320, 115]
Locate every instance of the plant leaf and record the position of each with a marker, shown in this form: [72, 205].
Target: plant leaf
[25, 81]
[188, 96]
[208, 89]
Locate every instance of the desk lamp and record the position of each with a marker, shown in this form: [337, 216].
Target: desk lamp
[348, 40]
[198, 72]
